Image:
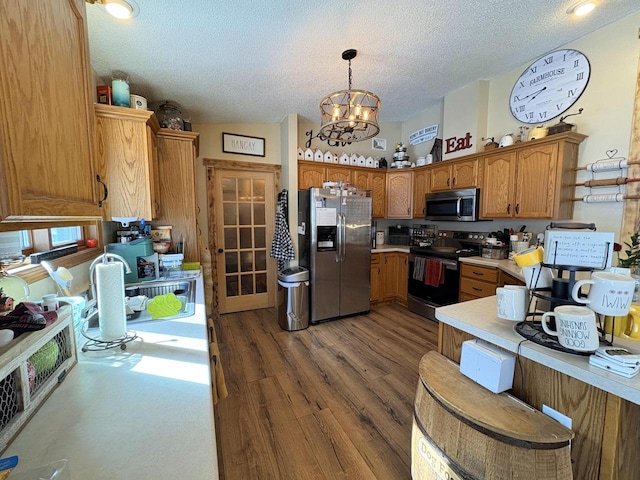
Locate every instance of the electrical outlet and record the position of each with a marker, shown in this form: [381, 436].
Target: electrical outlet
[557, 416]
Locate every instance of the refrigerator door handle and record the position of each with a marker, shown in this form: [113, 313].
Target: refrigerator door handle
[339, 239]
[344, 237]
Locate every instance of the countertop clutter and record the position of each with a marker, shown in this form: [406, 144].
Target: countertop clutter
[145, 412]
[478, 318]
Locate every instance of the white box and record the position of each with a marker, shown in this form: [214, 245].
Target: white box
[487, 365]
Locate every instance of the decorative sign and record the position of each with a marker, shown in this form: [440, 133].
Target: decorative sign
[454, 143]
[439, 466]
[379, 144]
[242, 144]
[578, 248]
[423, 135]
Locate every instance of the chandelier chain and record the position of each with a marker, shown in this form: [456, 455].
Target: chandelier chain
[349, 74]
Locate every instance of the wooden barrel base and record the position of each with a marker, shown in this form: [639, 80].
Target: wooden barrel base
[480, 434]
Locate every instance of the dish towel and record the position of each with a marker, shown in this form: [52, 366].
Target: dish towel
[434, 274]
[418, 268]
[281, 246]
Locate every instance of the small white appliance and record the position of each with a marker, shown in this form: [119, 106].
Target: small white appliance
[487, 365]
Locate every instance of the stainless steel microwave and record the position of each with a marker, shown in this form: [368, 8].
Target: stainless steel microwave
[453, 206]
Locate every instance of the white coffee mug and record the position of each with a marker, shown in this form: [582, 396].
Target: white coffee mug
[537, 276]
[575, 327]
[609, 294]
[512, 302]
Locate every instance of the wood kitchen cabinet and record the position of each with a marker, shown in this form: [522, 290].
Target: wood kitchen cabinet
[421, 177]
[392, 282]
[477, 281]
[127, 161]
[454, 175]
[338, 174]
[46, 119]
[310, 175]
[399, 194]
[376, 278]
[177, 154]
[376, 182]
[313, 174]
[532, 181]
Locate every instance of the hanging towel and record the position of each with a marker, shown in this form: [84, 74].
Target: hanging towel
[434, 274]
[281, 246]
[418, 269]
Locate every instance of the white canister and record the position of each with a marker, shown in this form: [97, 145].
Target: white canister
[138, 102]
[50, 302]
[379, 238]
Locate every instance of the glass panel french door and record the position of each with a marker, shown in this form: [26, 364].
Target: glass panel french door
[245, 217]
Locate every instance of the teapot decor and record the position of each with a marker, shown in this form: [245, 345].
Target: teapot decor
[538, 132]
[507, 140]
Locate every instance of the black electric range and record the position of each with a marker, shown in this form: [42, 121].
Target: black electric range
[452, 244]
[425, 295]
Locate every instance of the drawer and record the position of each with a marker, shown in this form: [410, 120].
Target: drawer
[465, 297]
[375, 258]
[486, 274]
[477, 288]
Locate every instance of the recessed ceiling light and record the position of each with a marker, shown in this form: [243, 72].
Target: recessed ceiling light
[582, 8]
[122, 9]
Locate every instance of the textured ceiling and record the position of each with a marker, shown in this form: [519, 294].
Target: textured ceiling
[256, 61]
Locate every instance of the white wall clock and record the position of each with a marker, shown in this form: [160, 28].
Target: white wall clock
[549, 86]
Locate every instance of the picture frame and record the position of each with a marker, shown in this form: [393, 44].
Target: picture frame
[379, 144]
[243, 144]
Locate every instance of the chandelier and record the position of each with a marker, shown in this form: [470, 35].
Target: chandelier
[349, 115]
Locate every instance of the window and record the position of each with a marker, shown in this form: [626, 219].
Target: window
[65, 235]
[25, 239]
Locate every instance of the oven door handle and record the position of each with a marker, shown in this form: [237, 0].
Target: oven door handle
[450, 264]
[459, 207]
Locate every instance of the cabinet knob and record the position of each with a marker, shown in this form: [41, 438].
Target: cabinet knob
[454, 181]
[220, 250]
[448, 180]
[509, 208]
[517, 208]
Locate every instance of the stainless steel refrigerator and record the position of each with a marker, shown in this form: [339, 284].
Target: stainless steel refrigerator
[334, 241]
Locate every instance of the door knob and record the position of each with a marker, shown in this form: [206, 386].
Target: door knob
[220, 250]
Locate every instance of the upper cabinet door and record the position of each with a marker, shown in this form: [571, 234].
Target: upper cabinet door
[127, 161]
[498, 186]
[310, 175]
[46, 119]
[465, 174]
[399, 194]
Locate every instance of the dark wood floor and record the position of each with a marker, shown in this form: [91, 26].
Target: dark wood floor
[333, 401]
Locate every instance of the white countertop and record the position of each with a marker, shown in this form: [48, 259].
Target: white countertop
[391, 248]
[142, 413]
[478, 318]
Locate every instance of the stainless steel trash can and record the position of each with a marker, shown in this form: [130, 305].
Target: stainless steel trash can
[293, 302]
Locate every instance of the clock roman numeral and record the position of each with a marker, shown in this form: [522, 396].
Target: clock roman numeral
[559, 106]
[520, 108]
[548, 60]
[532, 70]
[571, 93]
[529, 115]
[543, 115]
[522, 84]
[580, 76]
[576, 63]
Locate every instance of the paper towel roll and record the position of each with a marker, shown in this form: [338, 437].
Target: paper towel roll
[112, 311]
